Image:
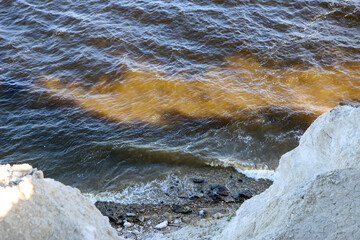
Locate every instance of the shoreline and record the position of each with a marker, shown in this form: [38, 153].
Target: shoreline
[210, 201]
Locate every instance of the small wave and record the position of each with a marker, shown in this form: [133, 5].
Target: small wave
[255, 171]
[165, 190]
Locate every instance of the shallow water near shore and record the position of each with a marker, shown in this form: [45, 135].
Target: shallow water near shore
[106, 96]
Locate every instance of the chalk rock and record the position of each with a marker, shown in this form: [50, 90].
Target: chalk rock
[33, 207]
[316, 189]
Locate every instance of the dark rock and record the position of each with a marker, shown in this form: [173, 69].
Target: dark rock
[244, 194]
[229, 199]
[213, 186]
[130, 215]
[199, 188]
[197, 180]
[140, 219]
[196, 196]
[240, 180]
[183, 195]
[181, 209]
[215, 197]
[112, 219]
[223, 191]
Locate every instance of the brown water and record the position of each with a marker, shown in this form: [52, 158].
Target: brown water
[105, 95]
[242, 90]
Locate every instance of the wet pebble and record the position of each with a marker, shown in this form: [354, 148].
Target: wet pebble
[218, 215]
[141, 219]
[181, 209]
[130, 214]
[186, 219]
[223, 191]
[127, 224]
[196, 196]
[161, 225]
[244, 193]
[203, 213]
[198, 180]
[213, 186]
[177, 221]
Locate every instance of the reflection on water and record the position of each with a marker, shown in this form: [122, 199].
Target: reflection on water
[184, 82]
[243, 89]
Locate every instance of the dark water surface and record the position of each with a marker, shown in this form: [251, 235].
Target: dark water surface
[103, 95]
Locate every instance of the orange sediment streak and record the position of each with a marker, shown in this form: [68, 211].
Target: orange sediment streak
[239, 90]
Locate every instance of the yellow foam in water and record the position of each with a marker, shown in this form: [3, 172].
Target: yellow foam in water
[239, 90]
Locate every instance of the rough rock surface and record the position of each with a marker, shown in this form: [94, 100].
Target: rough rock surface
[326, 208]
[33, 207]
[314, 195]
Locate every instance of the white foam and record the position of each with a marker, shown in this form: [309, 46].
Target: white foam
[255, 171]
[143, 193]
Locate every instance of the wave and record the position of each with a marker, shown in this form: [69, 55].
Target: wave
[143, 193]
[250, 170]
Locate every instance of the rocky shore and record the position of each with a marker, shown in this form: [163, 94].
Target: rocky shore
[314, 196]
[210, 201]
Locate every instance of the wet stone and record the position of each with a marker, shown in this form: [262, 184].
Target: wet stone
[218, 215]
[127, 224]
[112, 219]
[229, 199]
[196, 196]
[214, 186]
[215, 197]
[203, 213]
[244, 194]
[177, 221]
[198, 180]
[141, 219]
[181, 209]
[186, 219]
[130, 214]
[222, 191]
[161, 225]
[205, 202]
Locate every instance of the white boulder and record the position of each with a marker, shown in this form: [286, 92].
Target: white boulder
[316, 190]
[33, 207]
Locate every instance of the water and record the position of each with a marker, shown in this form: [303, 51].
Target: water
[106, 95]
